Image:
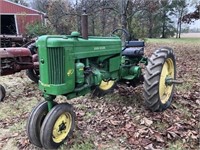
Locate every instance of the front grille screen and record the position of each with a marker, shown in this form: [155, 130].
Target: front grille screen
[56, 65]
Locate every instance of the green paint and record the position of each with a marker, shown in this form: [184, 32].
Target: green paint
[71, 65]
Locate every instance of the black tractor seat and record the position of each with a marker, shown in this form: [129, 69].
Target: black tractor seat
[134, 49]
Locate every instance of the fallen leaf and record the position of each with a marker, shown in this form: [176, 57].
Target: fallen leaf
[146, 121]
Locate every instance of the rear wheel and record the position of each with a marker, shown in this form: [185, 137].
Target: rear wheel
[2, 93]
[33, 75]
[161, 67]
[105, 87]
[57, 126]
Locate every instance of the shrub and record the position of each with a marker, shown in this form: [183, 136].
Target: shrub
[38, 29]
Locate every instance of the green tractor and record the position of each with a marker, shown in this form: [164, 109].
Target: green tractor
[74, 65]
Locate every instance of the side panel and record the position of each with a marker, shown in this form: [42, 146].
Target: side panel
[114, 63]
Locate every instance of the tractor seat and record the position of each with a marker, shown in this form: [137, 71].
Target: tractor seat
[134, 49]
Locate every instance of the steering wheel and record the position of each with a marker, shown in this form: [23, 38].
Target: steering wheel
[124, 36]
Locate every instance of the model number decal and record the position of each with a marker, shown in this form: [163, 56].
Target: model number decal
[70, 72]
[99, 48]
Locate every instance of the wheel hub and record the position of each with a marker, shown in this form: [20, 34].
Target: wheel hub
[62, 127]
[168, 72]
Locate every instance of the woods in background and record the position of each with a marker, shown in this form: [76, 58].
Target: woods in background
[142, 18]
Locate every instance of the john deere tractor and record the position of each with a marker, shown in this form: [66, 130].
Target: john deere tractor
[74, 65]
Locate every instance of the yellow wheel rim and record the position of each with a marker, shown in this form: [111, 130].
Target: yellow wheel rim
[167, 72]
[62, 127]
[106, 85]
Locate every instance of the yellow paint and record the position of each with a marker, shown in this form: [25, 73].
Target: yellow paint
[106, 85]
[59, 134]
[43, 84]
[167, 72]
[70, 72]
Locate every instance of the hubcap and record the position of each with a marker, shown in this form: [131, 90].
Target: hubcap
[165, 90]
[106, 85]
[62, 127]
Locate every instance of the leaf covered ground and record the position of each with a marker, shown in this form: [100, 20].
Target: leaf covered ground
[117, 121]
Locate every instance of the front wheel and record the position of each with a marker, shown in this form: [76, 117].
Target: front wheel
[2, 93]
[58, 125]
[35, 121]
[161, 67]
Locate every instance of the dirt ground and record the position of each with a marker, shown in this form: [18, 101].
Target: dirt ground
[117, 121]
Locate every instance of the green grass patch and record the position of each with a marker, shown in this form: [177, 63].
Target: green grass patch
[85, 145]
[19, 126]
[185, 87]
[160, 126]
[177, 145]
[89, 114]
[185, 112]
[12, 109]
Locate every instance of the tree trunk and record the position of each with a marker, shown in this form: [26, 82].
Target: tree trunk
[180, 24]
[103, 22]
[177, 27]
[124, 5]
[114, 23]
[124, 21]
[93, 26]
[163, 26]
[150, 27]
[179, 35]
[78, 20]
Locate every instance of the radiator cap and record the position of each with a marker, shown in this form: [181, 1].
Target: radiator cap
[75, 34]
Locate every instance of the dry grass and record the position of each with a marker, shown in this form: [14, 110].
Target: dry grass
[113, 122]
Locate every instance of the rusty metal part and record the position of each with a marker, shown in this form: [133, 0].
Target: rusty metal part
[12, 40]
[14, 52]
[35, 61]
[14, 60]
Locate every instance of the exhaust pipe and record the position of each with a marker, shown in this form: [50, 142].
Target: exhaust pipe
[84, 24]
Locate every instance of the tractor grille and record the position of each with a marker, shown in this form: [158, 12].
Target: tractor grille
[56, 65]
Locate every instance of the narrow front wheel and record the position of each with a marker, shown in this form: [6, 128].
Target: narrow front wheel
[35, 121]
[58, 125]
[2, 93]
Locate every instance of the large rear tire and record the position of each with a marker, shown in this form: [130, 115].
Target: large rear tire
[161, 66]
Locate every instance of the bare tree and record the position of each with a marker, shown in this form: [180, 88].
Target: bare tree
[180, 9]
[21, 2]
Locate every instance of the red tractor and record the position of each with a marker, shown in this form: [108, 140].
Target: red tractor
[16, 59]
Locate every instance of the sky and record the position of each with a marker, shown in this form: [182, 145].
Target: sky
[196, 24]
